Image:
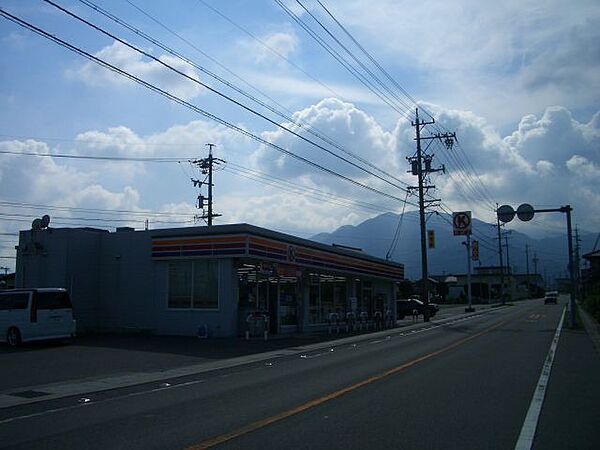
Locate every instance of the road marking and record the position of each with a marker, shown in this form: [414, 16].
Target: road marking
[218, 440]
[89, 403]
[525, 441]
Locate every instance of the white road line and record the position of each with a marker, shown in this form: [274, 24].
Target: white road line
[525, 441]
[98, 402]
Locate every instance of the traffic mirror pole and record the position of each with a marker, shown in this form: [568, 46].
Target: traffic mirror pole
[526, 212]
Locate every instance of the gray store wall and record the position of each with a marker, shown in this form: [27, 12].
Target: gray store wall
[61, 258]
[115, 284]
[220, 323]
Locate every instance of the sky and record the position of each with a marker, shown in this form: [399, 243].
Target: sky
[518, 82]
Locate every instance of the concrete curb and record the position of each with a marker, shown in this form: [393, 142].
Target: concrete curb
[60, 390]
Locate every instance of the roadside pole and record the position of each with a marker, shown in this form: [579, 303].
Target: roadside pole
[461, 224]
[469, 298]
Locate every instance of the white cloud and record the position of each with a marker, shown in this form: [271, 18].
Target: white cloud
[148, 70]
[528, 165]
[499, 59]
[270, 49]
[584, 168]
[357, 132]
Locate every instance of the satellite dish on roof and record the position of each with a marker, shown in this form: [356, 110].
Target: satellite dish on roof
[36, 224]
[45, 221]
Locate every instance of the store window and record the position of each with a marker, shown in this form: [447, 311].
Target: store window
[328, 295]
[287, 303]
[194, 284]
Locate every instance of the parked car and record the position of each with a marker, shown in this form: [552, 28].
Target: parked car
[35, 314]
[406, 307]
[551, 297]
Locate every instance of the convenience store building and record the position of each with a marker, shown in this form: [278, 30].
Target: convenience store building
[182, 280]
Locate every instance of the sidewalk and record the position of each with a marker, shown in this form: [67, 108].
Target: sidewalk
[569, 417]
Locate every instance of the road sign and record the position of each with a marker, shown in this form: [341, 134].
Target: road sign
[461, 222]
[525, 212]
[506, 213]
[475, 250]
[431, 238]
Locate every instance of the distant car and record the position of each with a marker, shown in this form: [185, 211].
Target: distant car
[406, 307]
[551, 297]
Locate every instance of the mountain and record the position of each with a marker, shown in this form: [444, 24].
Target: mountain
[374, 236]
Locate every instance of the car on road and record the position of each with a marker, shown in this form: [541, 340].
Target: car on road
[551, 297]
[408, 307]
[35, 314]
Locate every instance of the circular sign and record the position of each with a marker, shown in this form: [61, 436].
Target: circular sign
[461, 223]
[506, 213]
[525, 212]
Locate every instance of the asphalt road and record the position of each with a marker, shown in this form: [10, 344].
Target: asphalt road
[463, 385]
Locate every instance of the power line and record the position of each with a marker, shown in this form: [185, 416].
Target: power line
[473, 183]
[184, 103]
[264, 44]
[219, 93]
[371, 58]
[343, 62]
[36, 206]
[298, 122]
[360, 63]
[100, 158]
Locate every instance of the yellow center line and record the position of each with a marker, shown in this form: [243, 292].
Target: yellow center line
[336, 394]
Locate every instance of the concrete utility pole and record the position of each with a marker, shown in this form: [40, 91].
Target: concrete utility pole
[206, 167]
[469, 267]
[577, 264]
[527, 269]
[210, 184]
[567, 209]
[507, 254]
[417, 162]
[501, 259]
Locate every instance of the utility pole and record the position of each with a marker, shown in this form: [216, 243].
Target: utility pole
[507, 254]
[417, 162]
[206, 168]
[535, 270]
[527, 269]
[469, 256]
[500, 256]
[577, 263]
[572, 304]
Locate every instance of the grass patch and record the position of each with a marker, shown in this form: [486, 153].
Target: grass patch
[591, 303]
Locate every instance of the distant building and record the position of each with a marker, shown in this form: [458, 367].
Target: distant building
[486, 282]
[182, 281]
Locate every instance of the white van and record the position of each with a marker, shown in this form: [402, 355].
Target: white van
[35, 314]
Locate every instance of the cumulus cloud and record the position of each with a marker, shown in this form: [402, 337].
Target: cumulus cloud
[584, 168]
[43, 180]
[133, 62]
[546, 160]
[359, 134]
